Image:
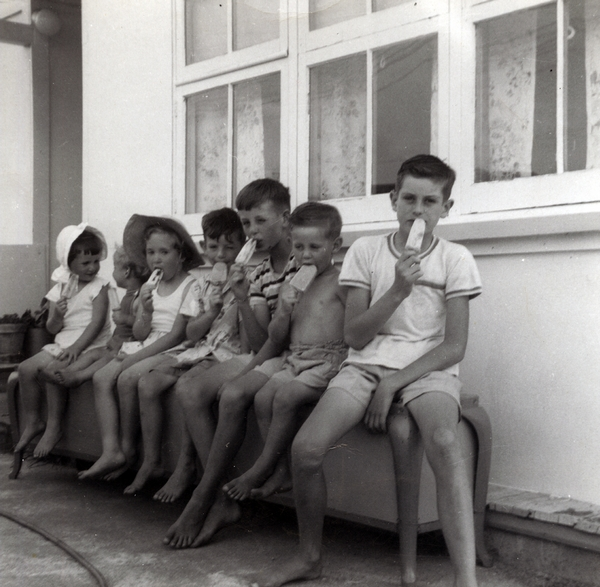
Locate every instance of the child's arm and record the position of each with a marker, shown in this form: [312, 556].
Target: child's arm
[280, 325]
[449, 352]
[56, 313]
[143, 316]
[198, 327]
[92, 330]
[255, 321]
[164, 343]
[362, 322]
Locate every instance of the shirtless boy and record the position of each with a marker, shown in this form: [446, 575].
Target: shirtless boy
[313, 322]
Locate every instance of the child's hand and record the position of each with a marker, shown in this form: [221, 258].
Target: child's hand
[146, 297]
[61, 307]
[117, 317]
[288, 298]
[69, 354]
[237, 282]
[215, 300]
[379, 406]
[408, 271]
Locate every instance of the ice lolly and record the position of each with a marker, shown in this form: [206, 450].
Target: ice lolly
[113, 298]
[244, 256]
[218, 274]
[305, 276]
[415, 237]
[70, 288]
[155, 278]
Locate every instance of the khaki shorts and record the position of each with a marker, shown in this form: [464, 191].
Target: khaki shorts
[309, 365]
[360, 382]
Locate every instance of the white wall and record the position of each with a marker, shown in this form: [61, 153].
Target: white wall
[127, 93]
[534, 350]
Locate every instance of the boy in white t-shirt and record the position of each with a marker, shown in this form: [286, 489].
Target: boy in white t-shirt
[407, 320]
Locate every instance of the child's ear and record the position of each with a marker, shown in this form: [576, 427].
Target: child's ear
[337, 244]
[447, 205]
[393, 199]
[127, 272]
[286, 217]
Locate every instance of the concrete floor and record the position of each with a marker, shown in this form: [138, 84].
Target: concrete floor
[121, 536]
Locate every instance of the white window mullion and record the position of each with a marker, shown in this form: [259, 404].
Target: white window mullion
[230, 144]
[370, 131]
[561, 81]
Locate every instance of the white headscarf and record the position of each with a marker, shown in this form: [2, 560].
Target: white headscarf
[67, 236]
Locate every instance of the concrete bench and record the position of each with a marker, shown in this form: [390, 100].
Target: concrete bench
[360, 473]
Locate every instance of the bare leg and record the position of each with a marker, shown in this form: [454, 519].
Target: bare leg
[335, 414]
[31, 393]
[407, 450]
[184, 474]
[234, 402]
[436, 414]
[57, 404]
[151, 388]
[74, 375]
[284, 425]
[107, 412]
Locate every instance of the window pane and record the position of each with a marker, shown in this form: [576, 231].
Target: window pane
[338, 129]
[257, 109]
[516, 101]
[405, 84]
[583, 97]
[383, 4]
[327, 12]
[254, 22]
[206, 151]
[205, 29]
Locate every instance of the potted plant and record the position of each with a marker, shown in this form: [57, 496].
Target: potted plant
[12, 334]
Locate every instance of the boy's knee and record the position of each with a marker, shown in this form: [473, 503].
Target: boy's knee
[284, 402]
[234, 397]
[444, 440]
[306, 454]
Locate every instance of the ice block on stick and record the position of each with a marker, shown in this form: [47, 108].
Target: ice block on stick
[218, 274]
[244, 256]
[155, 278]
[305, 276]
[415, 237]
[70, 288]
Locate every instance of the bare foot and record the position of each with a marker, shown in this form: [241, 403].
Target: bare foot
[48, 441]
[145, 474]
[48, 373]
[279, 482]
[178, 482]
[240, 488]
[223, 512]
[107, 463]
[30, 432]
[296, 569]
[69, 378]
[187, 527]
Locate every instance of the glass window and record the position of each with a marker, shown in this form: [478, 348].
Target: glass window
[205, 29]
[254, 22]
[327, 12]
[338, 116]
[519, 131]
[253, 148]
[404, 99]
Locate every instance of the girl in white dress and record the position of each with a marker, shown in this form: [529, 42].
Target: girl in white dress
[78, 318]
[159, 243]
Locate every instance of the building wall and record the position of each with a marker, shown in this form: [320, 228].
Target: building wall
[533, 353]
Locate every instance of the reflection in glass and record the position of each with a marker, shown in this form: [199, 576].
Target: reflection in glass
[257, 114]
[206, 151]
[254, 22]
[338, 129]
[205, 29]
[383, 4]
[324, 13]
[404, 102]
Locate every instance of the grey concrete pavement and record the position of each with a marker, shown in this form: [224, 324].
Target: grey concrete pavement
[122, 537]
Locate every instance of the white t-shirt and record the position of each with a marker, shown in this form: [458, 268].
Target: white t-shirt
[418, 324]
